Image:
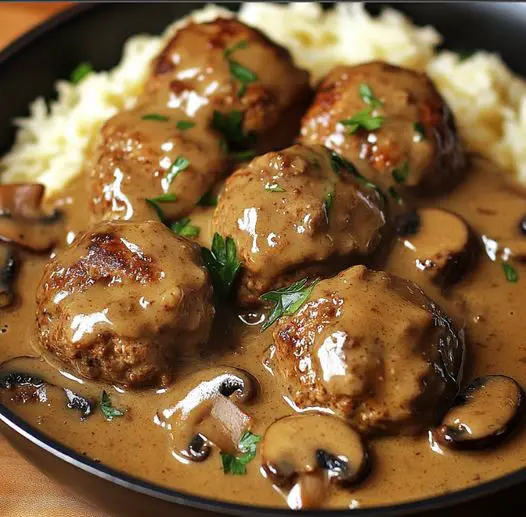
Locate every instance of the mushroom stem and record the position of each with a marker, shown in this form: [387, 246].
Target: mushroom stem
[309, 491]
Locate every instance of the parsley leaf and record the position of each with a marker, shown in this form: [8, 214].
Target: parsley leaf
[236, 465]
[234, 141]
[208, 199]
[242, 156]
[243, 74]
[183, 125]
[273, 187]
[401, 173]
[420, 133]
[184, 228]
[179, 165]
[163, 198]
[395, 195]
[155, 116]
[364, 120]
[82, 70]
[510, 273]
[222, 263]
[107, 408]
[464, 55]
[340, 164]
[368, 96]
[287, 300]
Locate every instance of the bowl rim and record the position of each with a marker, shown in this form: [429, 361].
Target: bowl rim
[136, 484]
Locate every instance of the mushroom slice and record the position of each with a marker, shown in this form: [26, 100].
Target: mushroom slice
[22, 221]
[443, 243]
[7, 275]
[484, 414]
[210, 406]
[298, 447]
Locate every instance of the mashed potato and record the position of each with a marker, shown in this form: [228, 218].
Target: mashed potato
[489, 102]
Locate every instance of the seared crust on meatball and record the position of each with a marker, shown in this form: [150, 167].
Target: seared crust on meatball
[296, 212]
[194, 118]
[372, 348]
[416, 143]
[125, 303]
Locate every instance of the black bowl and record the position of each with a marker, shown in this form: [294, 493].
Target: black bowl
[96, 33]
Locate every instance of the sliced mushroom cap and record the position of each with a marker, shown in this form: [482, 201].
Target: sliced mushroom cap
[22, 220]
[485, 413]
[209, 412]
[8, 269]
[305, 444]
[443, 244]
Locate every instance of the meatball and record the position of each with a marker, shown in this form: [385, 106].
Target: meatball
[297, 212]
[391, 123]
[125, 303]
[218, 92]
[374, 349]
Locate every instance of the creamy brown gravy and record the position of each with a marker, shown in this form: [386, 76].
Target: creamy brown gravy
[405, 468]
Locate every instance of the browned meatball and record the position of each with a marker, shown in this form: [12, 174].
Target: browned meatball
[372, 348]
[391, 123]
[296, 212]
[197, 116]
[125, 303]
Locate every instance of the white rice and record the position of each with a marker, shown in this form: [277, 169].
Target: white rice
[488, 100]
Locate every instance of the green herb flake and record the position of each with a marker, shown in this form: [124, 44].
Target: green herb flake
[395, 195]
[234, 141]
[222, 264]
[327, 203]
[340, 165]
[163, 198]
[464, 55]
[510, 273]
[179, 165]
[420, 133]
[208, 199]
[367, 96]
[236, 465]
[82, 71]
[363, 120]
[242, 156]
[400, 174]
[156, 117]
[287, 300]
[243, 74]
[183, 228]
[183, 125]
[107, 408]
[274, 187]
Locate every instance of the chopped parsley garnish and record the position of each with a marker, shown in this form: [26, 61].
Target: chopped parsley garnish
[208, 199]
[234, 142]
[420, 133]
[179, 165]
[82, 70]
[510, 273]
[400, 174]
[242, 156]
[363, 120]
[243, 74]
[222, 264]
[368, 96]
[183, 125]
[163, 198]
[184, 228]
[107, 408]
[274, 187]
[287, 300]
[340, 164]
[237, 465]
[155, 117]
[395, 195]
[327, 203]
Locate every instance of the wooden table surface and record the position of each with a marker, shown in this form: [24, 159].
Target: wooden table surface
[24, 491]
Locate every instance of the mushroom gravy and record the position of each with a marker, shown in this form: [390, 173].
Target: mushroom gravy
[403, 468]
